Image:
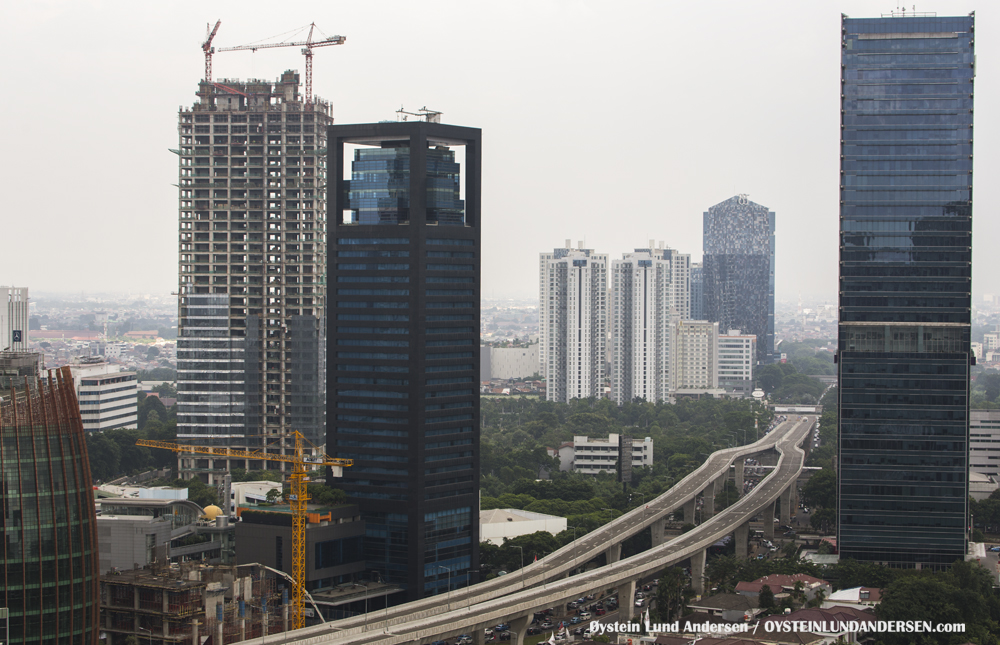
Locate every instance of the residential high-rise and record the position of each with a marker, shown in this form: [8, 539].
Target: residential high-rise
[404, 352]
[737, 356]
[650, 293]
[14, 319]
[905, 278]
[695, 357]
[573, 294]
[697, 291]
[49, 565]
[251, 328]
[738, 270]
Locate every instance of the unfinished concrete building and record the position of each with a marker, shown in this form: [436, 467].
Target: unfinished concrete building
[252, 271]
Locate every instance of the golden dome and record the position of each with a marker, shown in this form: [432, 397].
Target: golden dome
[212, 512]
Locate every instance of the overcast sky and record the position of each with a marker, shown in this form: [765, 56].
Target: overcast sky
[609, 123]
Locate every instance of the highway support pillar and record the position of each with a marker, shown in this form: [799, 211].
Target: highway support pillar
[767, 515]
[626, 601]
[786, 504]
[689, 508]
[656, 530]
[519, 627]
[708, 510]
[740, 467]
[614, 553]
[479, 634]
[742, 535]
[698, 572]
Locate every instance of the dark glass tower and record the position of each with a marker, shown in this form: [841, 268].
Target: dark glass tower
[905, 279]
[403, 357]
[48, 564]
[738, 270]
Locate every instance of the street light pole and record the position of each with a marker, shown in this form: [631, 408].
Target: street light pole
[522, 562]
[385, 600]
[148, 632]
[365, 629]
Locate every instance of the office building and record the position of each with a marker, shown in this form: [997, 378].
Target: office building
[251, 330]
[573, 322]
[697, 291]
[592, 456]
[649, 295]
[13, 319]
[107, 395]
[404, 345]
[695, 358]
[48, 566]
[738, 270]
[737, 357]
[984, 442]
[18, 369]
[905, 278]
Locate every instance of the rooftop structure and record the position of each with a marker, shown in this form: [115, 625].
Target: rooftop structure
[503, 523]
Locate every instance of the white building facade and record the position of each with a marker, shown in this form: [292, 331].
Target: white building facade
[573, 323]
[649, 295]
[107, 395]
[14, 319]
[591, 456]
[737, 355]
[696, 357]
[984, 442]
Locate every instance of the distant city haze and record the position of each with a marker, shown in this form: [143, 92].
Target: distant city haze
[608, 123]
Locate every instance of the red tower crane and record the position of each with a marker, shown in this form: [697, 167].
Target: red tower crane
[209, 50]
[309, 43]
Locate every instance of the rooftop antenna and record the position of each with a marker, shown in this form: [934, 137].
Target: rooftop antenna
[430, 116]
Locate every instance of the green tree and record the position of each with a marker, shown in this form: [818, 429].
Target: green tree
[672, 591]
[821, 489]
[766, 599]
[104, 455]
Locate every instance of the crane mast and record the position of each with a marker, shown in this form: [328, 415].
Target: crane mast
[302, 461]
[209, 50]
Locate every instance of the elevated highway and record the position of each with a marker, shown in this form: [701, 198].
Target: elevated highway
[515, 597]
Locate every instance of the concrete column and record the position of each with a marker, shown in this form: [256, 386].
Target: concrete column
[708, 510]
[689, 508]
[657, 529]
[698, 572]
[518, 628]
[768, 516]
[741, 535]
[740, 465]
[614, 553]
[786, 503]
[626, 601]
[479, 634]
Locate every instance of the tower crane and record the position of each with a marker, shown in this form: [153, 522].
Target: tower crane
[209, 50]
[309, 43]
[303, 458]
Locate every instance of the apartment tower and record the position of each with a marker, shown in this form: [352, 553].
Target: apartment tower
[404, 355]
[14, 319]
[252, 292]
[905, 277]
[738, 270]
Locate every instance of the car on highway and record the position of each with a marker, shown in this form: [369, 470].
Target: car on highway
[789, 534]
[600, 611]
[502, 627]
[575, 620]
[464, 639]
[995, 548]
[640, 602]
[584, 615]
[534, 630]
[547, 625]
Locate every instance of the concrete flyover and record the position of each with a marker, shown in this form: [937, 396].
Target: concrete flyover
[514, 598]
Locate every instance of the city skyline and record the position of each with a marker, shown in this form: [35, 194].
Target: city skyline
[742, 133]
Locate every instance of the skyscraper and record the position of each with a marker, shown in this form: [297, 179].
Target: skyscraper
[697, 290]
[573, 294]
[650, 293]
[905, 277]
[13, 319]
[404, 345]
[251, 330]
[49, 566]
[738, 270]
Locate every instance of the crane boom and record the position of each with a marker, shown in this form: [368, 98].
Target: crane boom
[298, 498]
[209, 50]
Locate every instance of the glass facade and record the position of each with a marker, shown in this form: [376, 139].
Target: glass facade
[905, 288]
[738, 270]
[403, 357]
[49, 559]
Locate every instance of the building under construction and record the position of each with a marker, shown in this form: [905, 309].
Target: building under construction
[163, 605]
[48, 563]
[252, 271]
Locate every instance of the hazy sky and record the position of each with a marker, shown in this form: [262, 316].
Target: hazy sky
[611, 123]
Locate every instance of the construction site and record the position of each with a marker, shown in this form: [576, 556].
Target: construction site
[192, 603]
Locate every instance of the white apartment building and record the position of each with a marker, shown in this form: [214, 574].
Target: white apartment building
[591, 456]
[14, 319]
[573, 322]
[696, 354]
[737, 354]
[650, 293]
[513, 362]
[984, 442]
[107, 395]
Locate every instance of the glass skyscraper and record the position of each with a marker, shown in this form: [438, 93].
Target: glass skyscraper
[905, 279]
[738, 270]
[403, 353]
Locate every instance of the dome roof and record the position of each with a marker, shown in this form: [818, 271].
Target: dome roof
[212, 512]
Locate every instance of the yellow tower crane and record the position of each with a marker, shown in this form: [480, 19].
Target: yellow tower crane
[303, 458]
